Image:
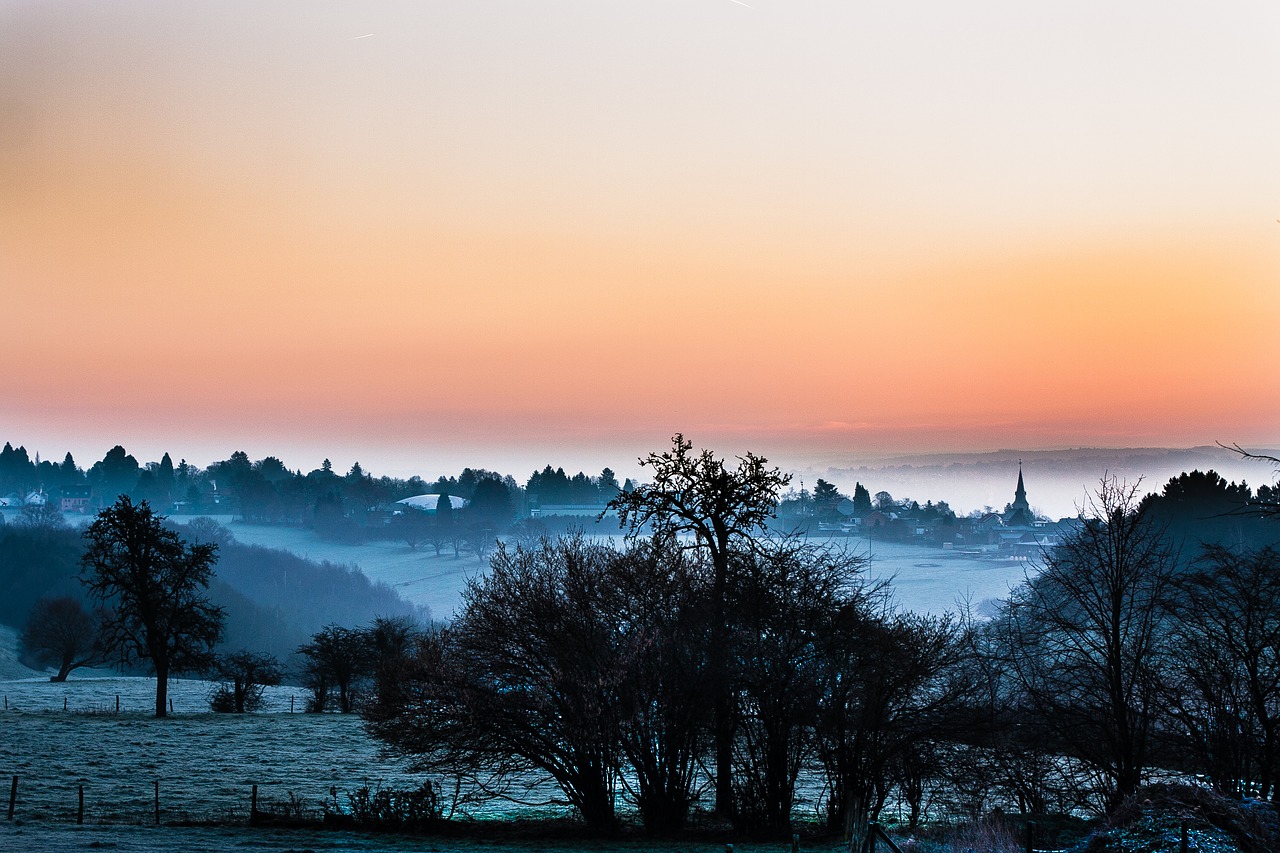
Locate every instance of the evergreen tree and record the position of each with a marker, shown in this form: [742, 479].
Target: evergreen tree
[861, 500]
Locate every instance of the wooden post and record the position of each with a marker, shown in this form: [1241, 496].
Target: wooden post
[13, 796]
[1031, 832]
[80, 813]
[290, 703]
[64, 703]
[170, 707]
[253, 804]
[1182, 847]
[157, 802]
[871, 836]
[117, 703]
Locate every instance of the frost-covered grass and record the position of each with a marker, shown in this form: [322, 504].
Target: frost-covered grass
[206, 763]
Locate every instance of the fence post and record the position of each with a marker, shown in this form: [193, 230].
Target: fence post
[1182, 847]
[1031, 832]
[157, 802]
[117, 703]
[253, 804]
[13, 796]
[80, 813]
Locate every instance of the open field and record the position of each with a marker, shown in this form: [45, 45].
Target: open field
[206, 765]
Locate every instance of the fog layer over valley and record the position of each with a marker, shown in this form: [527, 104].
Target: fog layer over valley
[274, 600]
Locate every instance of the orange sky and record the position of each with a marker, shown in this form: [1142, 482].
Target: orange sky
[433, 230]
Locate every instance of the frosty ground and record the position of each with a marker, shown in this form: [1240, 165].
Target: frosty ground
[206, 765]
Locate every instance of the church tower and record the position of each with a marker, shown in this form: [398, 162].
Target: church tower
[1018, 513]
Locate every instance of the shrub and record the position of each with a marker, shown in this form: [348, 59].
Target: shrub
[387, 809]
[1213, 822]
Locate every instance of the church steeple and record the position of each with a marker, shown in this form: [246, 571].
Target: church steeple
[1019, 512]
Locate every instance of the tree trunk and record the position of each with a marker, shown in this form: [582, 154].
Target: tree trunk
[162, 688]
[720, 679]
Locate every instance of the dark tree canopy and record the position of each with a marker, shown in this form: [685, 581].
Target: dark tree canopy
[721, 508]
[59, 631]
[245, 676]
[1086, 633]
[152, 586]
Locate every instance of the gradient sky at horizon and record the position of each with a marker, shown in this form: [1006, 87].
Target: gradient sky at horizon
[426, 234]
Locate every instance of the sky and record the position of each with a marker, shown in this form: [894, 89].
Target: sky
[505, 234]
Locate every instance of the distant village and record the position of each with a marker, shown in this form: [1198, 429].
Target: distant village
[1016, 531]
[358, 505]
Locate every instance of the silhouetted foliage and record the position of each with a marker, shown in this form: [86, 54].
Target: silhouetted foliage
[1085, 635]
[115, 475]
[785, 597]
[526, 678]
[339, 659]
[722, 508]
[35, 563]
[663, 625]
[245, 676]
[1222, 678]
[826, 497]
[60, 631]
[893, 687]
[152, 585]
[1201, 508]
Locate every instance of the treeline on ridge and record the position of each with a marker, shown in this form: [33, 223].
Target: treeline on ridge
[274, 600]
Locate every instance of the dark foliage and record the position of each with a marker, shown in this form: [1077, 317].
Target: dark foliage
[37, 563]
[1085, 636]
[60, 632]
[340, 659]
[244, 677]
[721, 508]
[152, 587]
[1160, 810]
[388, 810]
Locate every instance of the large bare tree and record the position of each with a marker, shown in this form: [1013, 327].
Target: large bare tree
[696, 498]
[1086, 636]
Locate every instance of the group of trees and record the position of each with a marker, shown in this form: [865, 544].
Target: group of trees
[624, 672]
[599, 668]
[715, 661]
[132, 590]
[1136, 648]
[550, 486]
